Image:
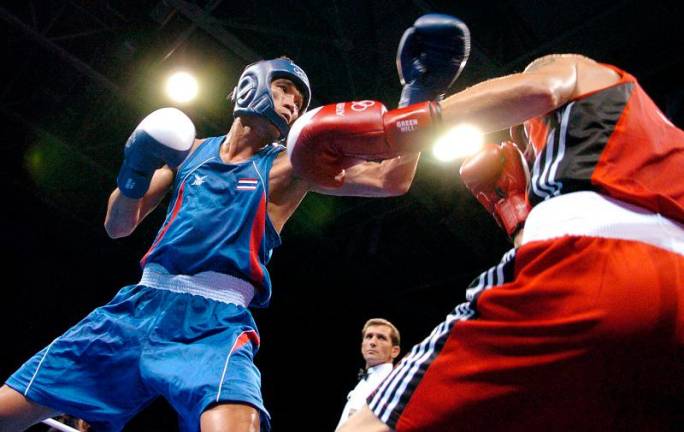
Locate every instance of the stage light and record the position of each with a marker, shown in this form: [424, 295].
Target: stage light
[459, 142]
[182, 87]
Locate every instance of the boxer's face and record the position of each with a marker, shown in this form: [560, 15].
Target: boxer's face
[287, 98]
[376, 346]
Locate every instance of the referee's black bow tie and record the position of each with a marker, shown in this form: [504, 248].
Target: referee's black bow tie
[363, 374]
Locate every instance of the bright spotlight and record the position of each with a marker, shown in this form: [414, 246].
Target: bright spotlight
[459, 142]
[181, 87]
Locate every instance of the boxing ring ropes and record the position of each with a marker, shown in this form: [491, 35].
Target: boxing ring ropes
[59, 426]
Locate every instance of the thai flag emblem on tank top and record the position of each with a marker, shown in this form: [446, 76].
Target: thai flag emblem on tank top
[247, 184]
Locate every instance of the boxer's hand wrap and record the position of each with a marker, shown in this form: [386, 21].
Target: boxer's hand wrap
[329, 139]
[163, 137]
[431, 56]
[498, 177]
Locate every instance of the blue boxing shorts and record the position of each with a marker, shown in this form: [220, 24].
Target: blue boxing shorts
[145, 343]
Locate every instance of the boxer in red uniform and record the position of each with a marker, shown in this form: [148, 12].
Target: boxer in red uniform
[582, 326]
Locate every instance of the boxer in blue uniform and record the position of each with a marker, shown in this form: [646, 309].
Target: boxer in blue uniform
[184, 331]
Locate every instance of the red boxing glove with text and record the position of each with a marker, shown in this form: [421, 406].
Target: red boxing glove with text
[498, 177]
[325, 141]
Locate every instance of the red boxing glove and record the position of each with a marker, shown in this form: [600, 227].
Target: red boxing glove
[498, 177]
[329, 139]
[412, 128]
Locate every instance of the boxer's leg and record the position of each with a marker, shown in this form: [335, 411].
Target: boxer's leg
[18, 413]
[230, 417]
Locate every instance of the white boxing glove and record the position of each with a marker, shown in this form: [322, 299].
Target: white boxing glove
[163, 137]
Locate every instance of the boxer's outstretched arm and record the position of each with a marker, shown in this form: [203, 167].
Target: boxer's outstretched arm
[502, 102]
[546, 84]
[390, 177]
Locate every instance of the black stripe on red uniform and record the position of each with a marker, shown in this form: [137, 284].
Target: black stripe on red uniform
[569, 158]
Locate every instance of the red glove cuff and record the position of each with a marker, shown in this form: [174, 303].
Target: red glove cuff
[412, 128]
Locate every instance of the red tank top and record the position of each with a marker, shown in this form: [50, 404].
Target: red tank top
[614, 141]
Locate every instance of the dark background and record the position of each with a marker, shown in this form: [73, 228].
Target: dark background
[79, 75]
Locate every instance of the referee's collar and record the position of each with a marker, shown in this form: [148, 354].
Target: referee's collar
[379, 368]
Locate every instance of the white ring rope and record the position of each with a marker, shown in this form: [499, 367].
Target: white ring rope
[59, 426]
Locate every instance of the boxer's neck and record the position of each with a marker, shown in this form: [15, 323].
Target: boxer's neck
[246, 138]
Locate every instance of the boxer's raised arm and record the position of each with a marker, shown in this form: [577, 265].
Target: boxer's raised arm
[124, 213]
[158, 144]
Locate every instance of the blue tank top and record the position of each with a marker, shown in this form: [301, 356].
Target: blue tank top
[217, 220]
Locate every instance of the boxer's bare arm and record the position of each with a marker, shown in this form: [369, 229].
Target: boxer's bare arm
[285, 191]
[18, 413]
[546, 84]
[124, 214]
[390, 177]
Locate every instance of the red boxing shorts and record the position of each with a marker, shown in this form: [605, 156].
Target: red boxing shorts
[567, 333]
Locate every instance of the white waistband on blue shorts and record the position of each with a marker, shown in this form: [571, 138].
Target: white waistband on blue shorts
[212, 285]
[595, 215]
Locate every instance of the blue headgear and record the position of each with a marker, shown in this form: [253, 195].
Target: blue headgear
[252, 95]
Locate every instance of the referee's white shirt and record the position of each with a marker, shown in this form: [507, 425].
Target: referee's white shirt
[357, 397]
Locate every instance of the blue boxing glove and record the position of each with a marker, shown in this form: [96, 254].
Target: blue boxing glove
[163, 137]
[431, 55]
